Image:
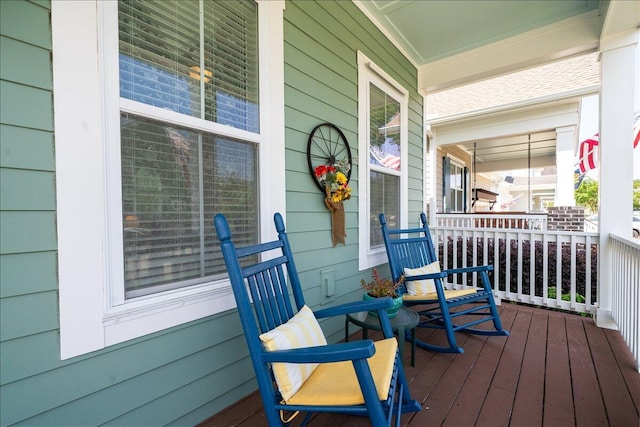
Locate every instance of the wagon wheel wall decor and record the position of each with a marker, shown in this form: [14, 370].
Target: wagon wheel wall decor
[328, 146]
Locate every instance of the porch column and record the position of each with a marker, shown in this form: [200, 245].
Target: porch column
[618, 76]
[565, 153]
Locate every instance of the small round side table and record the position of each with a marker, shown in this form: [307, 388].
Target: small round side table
[405, 319]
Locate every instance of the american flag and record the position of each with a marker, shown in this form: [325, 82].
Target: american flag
[385, 159]
[588, 151]
[588, 154]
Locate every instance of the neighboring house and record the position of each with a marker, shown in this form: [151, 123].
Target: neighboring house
[124, 131]
[529, 118]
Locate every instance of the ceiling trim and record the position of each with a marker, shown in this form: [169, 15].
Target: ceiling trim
[573, 36]
[392, 38]
[514, 122]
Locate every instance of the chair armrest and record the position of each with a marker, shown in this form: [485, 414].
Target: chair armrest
[478, 268]
[440, 275]
[355, 307]
[322, 354]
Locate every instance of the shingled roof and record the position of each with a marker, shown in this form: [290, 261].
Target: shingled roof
[565, 76]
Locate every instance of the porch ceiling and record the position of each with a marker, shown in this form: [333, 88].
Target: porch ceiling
[513, 152]
[459, 42]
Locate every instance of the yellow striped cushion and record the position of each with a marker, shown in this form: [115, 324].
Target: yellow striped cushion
[453, 293]
[337, 384]
[421, 287]
[302, 330]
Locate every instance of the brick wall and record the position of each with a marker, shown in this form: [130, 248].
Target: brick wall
[570, 218]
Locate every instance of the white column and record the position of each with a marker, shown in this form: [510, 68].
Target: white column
[565, 154]
[618, 81]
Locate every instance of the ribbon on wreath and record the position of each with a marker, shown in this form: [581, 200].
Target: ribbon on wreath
[338, 233]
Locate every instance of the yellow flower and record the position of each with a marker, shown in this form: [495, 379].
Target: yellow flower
[341, 178]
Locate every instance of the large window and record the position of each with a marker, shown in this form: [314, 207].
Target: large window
[200, 61]
[382, 179]
[156, 132]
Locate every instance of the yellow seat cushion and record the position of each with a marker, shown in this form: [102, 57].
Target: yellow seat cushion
[454, 293]
[336, 383]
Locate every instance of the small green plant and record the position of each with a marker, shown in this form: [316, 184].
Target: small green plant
[552, 293]
[379, 287]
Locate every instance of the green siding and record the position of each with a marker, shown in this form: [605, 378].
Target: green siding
[25, 63]
[27, 273]
[27, 22]
[321, 75]
[183, 375]
[26, 148]
[37, 190]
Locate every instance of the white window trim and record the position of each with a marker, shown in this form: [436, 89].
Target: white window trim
[368, 72]
[461, 164]
[88, 319]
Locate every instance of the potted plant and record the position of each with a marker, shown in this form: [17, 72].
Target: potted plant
[379, 288]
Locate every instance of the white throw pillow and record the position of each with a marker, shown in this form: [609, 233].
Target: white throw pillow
[302, 330]
[425, 286]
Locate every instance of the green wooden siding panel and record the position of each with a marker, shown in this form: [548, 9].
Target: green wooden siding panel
[26, 148]
[26, 21]
[162, 382]
[115, 366]
[25, 63]
[26, 190]
[25, 106]
[27, 232]
[160, 412]
[216, 405]
[28, 356]
[343, 75]
[27, 315]
[22, 274]
[303, 120]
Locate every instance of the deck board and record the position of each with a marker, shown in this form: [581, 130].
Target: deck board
[554, 369]
[558, 402]
[529, 402]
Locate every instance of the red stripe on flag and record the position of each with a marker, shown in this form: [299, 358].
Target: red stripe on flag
[588, 154]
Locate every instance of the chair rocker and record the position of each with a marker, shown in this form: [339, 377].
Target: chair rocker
[296, 370]
[413, 249]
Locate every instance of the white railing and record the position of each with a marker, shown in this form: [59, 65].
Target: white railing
[494, 220]
[626, 291]
[533, 254]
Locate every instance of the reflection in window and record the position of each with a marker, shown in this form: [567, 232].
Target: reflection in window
[200, 60]
[384, 143]
[174, 181]
[169, 61]
[384, 161]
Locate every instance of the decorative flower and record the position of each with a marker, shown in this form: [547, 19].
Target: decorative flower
[379, 287]
[335, 180]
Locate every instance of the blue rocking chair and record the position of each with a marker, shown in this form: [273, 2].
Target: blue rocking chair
[296, 370]
[411, 254]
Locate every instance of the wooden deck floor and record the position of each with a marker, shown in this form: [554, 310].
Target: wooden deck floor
[555, 369]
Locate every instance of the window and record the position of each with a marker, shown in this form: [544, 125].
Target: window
[455, 184]
[382, 171]
[180, 133]
[173, 175]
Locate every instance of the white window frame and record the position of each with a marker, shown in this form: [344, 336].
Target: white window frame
[460, 166]
[88, 217]
[369, 72]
